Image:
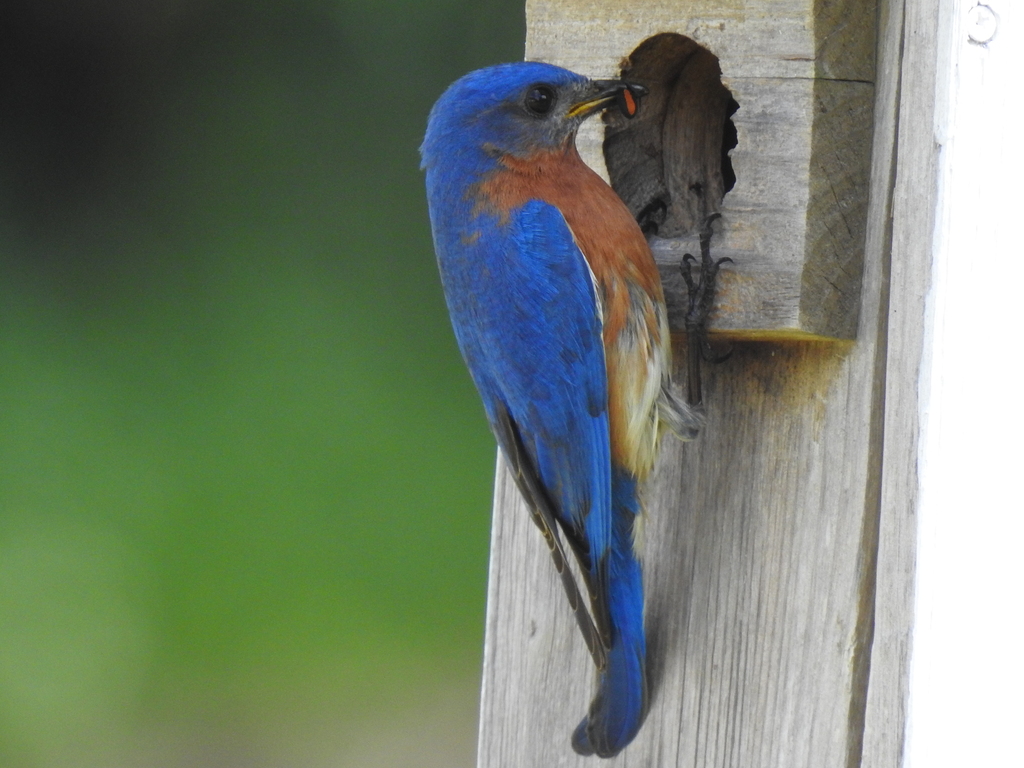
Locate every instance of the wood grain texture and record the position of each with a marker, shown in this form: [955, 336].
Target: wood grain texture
[802, 74]
[762, 541]
[908, 54]
[773, 38]
[754, 568]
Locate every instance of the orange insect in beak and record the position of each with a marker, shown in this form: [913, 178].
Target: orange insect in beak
[625, 95]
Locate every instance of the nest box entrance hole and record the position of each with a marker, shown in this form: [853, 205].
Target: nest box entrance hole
[670, 164]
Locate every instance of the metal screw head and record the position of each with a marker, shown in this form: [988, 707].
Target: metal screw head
[981, 24]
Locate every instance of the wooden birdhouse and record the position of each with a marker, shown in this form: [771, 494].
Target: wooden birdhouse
[831, 569]
[761, 112]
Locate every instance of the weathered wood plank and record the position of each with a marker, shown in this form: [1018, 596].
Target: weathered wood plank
[754, 576]
[773, 38]
[908, 47]
[761, 545]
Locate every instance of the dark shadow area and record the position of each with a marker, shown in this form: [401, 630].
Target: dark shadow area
[671, 163]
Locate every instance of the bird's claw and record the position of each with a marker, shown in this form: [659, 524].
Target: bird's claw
[701, 291]
[701, 297]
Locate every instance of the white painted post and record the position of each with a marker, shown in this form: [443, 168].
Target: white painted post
[967, 644]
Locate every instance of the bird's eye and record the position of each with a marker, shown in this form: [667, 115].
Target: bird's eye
[540, 99]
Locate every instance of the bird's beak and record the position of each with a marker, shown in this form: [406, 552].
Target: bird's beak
[626, 95]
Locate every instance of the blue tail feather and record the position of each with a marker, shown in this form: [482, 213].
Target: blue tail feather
[620, 705]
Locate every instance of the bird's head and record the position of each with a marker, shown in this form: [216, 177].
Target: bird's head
[518, 109]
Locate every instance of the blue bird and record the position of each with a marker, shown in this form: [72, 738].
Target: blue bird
[558, 309]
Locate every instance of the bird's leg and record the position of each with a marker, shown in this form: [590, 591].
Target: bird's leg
[701, 298]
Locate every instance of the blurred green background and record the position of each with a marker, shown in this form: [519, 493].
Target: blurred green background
[244, 478]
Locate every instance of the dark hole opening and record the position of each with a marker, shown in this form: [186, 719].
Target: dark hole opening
[670, 164]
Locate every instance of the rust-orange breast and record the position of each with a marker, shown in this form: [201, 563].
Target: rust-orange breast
[619, 258]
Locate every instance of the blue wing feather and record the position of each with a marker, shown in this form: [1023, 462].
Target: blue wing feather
[526, 318]
[524, 311]
[620, 705]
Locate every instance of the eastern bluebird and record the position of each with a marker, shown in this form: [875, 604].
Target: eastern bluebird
[558, 309]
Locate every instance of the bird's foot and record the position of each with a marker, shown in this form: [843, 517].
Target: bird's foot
[701, 290]
[701, 293]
